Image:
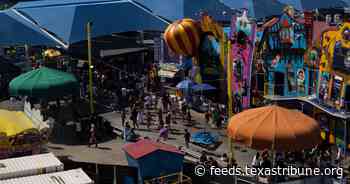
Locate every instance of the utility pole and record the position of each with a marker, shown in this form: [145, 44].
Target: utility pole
[88, 30]
[229, 96]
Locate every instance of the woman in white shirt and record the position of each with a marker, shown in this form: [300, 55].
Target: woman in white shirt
[256, 160]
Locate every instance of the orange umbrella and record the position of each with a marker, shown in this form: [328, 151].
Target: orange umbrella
[274, 127]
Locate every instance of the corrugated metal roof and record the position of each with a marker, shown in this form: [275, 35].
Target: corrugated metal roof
[29, 165]
[76, 176]
[145, 147]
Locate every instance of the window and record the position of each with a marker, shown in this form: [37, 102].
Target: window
[286, 32]
[336, 89]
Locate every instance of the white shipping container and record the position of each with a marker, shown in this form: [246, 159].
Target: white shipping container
[76, 176]
[29, 165]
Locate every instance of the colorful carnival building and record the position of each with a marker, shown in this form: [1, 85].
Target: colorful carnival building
[280, 58]
[334, 88]
[243, 32]
[333, 91]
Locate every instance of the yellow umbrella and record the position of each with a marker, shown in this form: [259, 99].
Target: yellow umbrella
[14, 122]
[52, 53]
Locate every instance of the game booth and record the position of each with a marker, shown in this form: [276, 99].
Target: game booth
[333, 92]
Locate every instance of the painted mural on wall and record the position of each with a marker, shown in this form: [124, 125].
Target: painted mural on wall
[283, 47]
[243, 33]
[334, 87]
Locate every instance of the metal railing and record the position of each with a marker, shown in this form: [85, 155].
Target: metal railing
[284, 90]
[176, 178]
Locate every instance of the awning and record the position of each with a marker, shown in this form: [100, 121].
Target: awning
[115, 52]
[16, 30]
[257, 8]
[179, 9]
[14, 122]
[67, 19]
[168, 70]
[167, 73]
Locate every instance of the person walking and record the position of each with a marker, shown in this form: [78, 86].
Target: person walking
[123, 116]
[160, 118]
[140, 117]
[189, 116]
[149, 119]
[168, 119]
[133, 117]
[92, 139]
[187, 137]
[183, 109]
[256, 160]
[207, 116]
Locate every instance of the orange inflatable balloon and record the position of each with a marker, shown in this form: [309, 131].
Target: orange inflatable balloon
[183, 37]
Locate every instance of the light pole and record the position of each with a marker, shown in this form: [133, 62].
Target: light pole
[88, 31]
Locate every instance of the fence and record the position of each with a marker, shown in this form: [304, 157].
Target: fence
[283, 90]
[176, 178]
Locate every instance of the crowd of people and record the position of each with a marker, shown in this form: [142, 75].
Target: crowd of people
[322, 156]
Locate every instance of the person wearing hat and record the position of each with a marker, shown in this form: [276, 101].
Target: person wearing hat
[93, 139]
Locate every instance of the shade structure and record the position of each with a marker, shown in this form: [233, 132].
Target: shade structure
[311, 5]
[44, 83]
[15, 30]
[107, 16]
[185, 84]
[257, 8]
[274, 127]
[178, 9]
[203, 87]
[14, 122]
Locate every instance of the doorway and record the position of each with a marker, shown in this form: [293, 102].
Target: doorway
[279, 84]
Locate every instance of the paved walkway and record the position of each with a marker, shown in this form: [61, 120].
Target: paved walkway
[176, 138]
[109, 153]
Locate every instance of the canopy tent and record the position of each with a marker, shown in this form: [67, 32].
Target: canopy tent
[105, 46]
[275, 128]
[257, 8]
[185, 84]
[177, 9]
[108, 16]
[13, 123]
[203, 87]
[310, 5]
[44, 83]
[15, 30]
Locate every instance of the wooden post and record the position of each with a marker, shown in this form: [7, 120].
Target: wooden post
[96, 173]
[91, 95]
[114, 175]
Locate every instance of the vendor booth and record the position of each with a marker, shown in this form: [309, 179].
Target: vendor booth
[154, 160]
